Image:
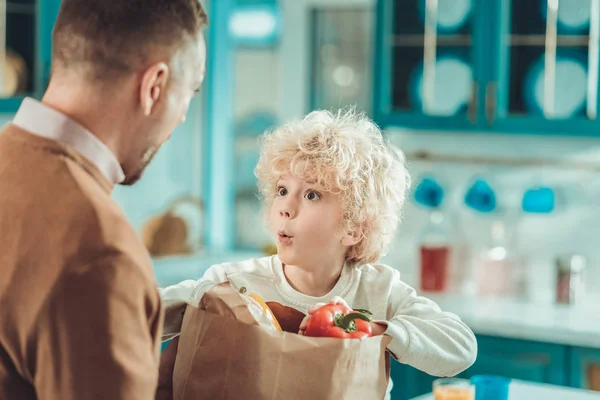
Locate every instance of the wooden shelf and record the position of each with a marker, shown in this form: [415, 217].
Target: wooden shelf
[442, 40]
[540, 40]
[529, 162]
[18, 8]
[514, 40]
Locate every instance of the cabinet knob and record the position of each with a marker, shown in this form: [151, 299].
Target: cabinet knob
[473, 103]
[491, 102]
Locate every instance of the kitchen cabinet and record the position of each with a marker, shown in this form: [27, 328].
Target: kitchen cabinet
[25, 49]
[496, 66]
[424, 77]
[517, 359]
[527, 390]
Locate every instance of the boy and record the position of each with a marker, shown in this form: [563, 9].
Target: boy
[334, 191]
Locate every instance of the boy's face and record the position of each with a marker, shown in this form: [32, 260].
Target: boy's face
[305, 221]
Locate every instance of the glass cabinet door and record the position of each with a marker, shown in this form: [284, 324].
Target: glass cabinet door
[342, 50]
[431, 62]
[547, 75]
[25, 40]
[18, 45]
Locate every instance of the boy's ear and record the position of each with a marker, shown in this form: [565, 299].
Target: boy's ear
[352, 238]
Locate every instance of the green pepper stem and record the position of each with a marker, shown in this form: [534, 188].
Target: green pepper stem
[346, 321]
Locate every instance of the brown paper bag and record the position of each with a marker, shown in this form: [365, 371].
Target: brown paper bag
[224, 353]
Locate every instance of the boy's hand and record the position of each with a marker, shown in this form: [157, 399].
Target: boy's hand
[378, 328]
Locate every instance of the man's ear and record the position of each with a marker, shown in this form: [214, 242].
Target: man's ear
[154, 82]
[352, 238]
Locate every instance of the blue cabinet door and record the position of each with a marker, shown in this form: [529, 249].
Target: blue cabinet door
[28, 41]
[409, 382]
[524, 360]
[517, 359]
[429, 65]
[585, 368]
[544, 74]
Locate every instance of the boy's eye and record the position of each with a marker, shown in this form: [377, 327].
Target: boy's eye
[281, 191]
[312, 196]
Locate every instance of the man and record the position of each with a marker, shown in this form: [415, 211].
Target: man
[80, 313]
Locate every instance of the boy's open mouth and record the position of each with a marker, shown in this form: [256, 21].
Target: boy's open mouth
[283, 235]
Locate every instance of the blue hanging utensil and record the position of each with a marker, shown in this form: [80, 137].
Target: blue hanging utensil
[539, 200]
[481, 197]
[429, 193]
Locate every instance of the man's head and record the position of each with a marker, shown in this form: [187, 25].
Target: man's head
[146, 55]
[307, 166]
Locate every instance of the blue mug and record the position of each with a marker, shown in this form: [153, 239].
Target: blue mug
[489, 387]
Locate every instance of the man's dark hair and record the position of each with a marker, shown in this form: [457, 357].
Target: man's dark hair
[110, 38]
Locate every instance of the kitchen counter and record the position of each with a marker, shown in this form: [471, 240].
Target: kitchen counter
[521, 390]
[561, 324]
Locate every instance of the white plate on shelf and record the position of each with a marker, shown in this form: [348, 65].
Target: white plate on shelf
[573, 15]
[452, 14]
[570, 94]
[453, 82]
[13, 75]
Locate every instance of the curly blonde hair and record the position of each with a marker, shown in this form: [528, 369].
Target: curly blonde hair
[345, 153]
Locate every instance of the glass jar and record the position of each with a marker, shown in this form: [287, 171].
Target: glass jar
[435, 253]
[570, 285]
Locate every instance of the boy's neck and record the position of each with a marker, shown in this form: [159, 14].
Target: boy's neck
[315, 282]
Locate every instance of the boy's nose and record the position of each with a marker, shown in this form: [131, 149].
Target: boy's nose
[287, 211]
[284, 214]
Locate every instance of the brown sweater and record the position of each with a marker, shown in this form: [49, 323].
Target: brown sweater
[80, 315]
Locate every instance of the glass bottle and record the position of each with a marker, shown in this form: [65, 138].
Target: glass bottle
[435, 250]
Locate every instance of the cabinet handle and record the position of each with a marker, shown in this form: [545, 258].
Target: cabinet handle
[550, 58]
[473, 103]
[593, 55]
[2, 42]
[491, 100]
[429, 54]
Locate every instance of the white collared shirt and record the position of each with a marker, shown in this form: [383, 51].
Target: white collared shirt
[41, 120]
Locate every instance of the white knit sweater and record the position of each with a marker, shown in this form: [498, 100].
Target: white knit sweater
[423, 336]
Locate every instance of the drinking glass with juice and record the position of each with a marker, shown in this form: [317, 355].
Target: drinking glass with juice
[453, 389]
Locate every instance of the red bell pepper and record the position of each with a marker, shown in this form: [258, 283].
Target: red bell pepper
[339, 321]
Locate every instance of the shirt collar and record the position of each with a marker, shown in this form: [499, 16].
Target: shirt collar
[41, 120]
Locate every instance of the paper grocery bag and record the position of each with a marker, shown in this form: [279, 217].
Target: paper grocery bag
[226, 353]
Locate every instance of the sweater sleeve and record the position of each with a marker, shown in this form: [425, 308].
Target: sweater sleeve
[175, 298]
[426, 337]
[98, 335]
